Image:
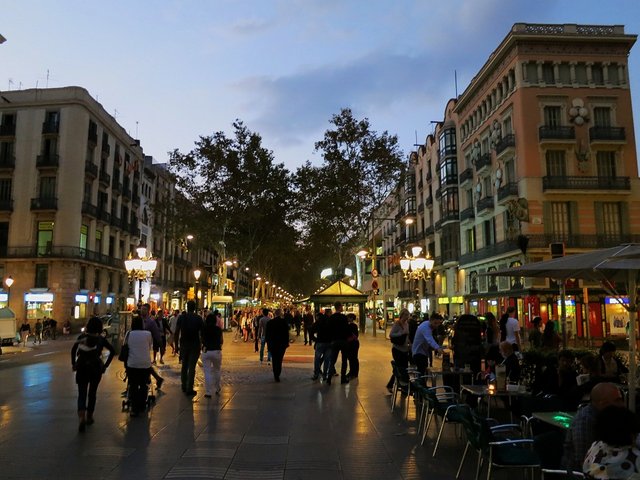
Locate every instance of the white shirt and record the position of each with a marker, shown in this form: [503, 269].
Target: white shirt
[512, 326]
[140, 345]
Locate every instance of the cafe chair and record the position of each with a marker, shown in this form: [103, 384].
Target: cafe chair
[439, 399]
[401, 385]
[456, 414]
[500, 446]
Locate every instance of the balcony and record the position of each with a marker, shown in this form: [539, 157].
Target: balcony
[585, 183]
[438, 194]
[467, 214]
[450, 216]
[63, 252]
[613, 134]
[47, 161]
[8, 130]
[556, 133]
[429, 201]
[89, 209]
[430, 230]
[6, 205]
[104, 216]
[136, 199]
[90, 169]
[466, 176]
[50, 127]
[105, 178]
[115, 220]
[489, 251]
[421, 208]
[7, 161]
[508, 141]
[483, 162]
[136, 175]
[126, 192]
[485, 206]
[44, 203]
[116, 186]
[507, 191]
[124, 225]
[581, 241]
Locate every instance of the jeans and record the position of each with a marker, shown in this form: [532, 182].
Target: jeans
[87, 390]
[339, 346]
[190, 355]
[322, 357]
[211, 363]
[138, 379]
[263, 342]
[277, 355]
[354, 363]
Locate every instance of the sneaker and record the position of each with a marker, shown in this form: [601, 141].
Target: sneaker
[159, 383]
[161, 362]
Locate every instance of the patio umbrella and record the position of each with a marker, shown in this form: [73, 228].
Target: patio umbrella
[609, 267]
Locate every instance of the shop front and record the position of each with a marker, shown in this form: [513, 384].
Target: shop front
[38, 305]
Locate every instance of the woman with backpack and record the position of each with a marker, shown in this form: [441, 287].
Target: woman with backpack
[86, 361]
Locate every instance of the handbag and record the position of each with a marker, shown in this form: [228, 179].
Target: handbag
[123, 356]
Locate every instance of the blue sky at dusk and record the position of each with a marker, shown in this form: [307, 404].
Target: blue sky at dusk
[174, 70]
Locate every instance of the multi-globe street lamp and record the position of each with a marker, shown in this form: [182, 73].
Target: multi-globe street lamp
[141, 268]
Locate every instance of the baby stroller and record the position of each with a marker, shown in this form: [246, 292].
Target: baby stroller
[140, 393]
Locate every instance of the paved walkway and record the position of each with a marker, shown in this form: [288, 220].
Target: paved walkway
[256, 428]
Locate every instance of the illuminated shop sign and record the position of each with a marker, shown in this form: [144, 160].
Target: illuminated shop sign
[38, 297]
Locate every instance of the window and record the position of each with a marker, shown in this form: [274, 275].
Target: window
[448, 142]
[611, 219]
[45, 237]
[470, 240]
[507, 129]
[89, 154]
[606, 163]
[556, 163]
[602, 116]
[560, 219]
[5, 189]
[103, 200]
[547, 72]
[6, 151]
[8, 119]
[84, 234]
[52, 118]
[552, 116]
[42, 275]
[99, 241]
[47, 187]
[597, 74]
[509, 174]
[49, 146]
[88, 188]
[4, 238]
[489, 231]
[449, 202]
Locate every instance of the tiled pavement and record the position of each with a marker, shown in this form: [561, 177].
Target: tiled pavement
[256, 428]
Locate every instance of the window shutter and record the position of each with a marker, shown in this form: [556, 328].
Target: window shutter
[573, 218]
[597, 210]
[624, 218]
[547, 221]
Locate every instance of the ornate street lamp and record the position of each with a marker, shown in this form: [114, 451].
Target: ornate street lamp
[8, 282]
[196, 274]
[141, 268]
[415, 266]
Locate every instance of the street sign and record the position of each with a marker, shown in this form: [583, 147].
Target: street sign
[374, 284]
[374, 273]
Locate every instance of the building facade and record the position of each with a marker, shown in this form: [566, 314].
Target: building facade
[536, 157]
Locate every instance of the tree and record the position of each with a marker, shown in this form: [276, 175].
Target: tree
[337, 199]
[237, 195]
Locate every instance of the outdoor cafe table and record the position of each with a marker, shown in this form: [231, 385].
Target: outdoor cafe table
[557, 419]
[482, 391]
[435, 373]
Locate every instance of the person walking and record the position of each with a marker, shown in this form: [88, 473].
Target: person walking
[262, 330]
[188, 331]
[277, 337]
[25, 331]
[339, 334]
[212, 340]
[307, 322]
[320, 337]
[353, 346]
[400, 346]
[38, 330]
[150, 325]
[512, 329]
[140, 342]
[86, 361]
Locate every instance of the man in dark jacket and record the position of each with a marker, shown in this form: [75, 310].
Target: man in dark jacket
[467, 342]
[339, 334]
[320, 335]
[307, 323]
[277, 337]
[188, 333]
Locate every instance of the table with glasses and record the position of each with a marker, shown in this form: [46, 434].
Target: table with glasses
[483, 391]
[461, 373]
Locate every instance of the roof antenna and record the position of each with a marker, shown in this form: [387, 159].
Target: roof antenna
[455, 79]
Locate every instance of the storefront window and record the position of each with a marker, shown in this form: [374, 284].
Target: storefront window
[42, 276]
[83, 237]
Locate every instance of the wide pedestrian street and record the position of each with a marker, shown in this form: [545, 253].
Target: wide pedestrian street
[256, 428]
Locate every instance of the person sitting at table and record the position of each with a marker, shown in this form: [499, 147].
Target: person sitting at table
[560, 380]
[614, 454]
[610, 366]
[424, 340]
[400, 346]
[510, 361]
[550, 338]
[581, 434]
